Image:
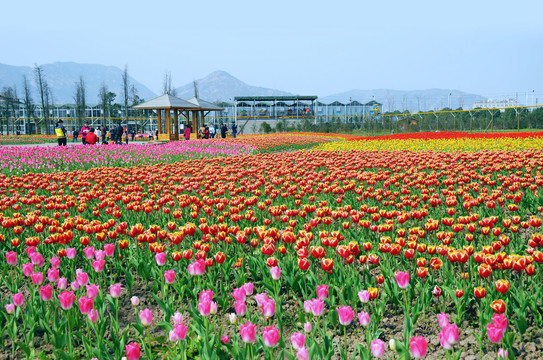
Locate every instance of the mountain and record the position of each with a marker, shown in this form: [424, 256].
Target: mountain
[61, 78]
[221, 86]
[413, 100]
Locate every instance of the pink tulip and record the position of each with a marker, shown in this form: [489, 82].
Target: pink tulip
[179, 332]
[240, 307]
[307, 305]
[322, 292]
[37, 259]
[18, 299]
[197, 268]
[275, 273]
[146, 317]
[89, 252]
[298, 340]
[224, 339]
[62, 283]
[46, 292]
[10, 308]
[85, 304]
[364, 318]
[132, 351]
[28, 269]
[248, 288]
[81, 277]
[502, 354]
[402, 278]
[239, 294]
[55, 262]
[302, 354]
[307, 327]
[99, 255]
[37, 278]
[443, 320]
[92, 290]
[495, 333]
[52, 275]
[247, 332]
[213, 307]
[93, 315]
[261, 298]
[66, 299]
[206, 295]
[30, 250]
[500, 321]
[204, 307]
[74, 285]
[270, 336]
[115, 290]
[448, 336]
[109, 249]
[135, 300]
[418, 346]
[98, 265]
[169, 276]
[11, 258]
[160, 258]
[317, 307]
[364, 296]
[177, 318]
[377, 348]
[346, 315]
[268, 308]
[70, 253]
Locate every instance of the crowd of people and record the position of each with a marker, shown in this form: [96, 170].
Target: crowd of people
[117, 133]
[209, 131]
[91, 136]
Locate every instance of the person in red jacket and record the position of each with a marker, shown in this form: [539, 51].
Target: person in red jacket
[91, 137]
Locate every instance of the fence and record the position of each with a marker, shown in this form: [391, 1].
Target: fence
[491, 119]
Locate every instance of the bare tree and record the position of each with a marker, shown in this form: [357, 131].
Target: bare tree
[28, 104]
[106, 99]
[102, 98]
[49, 103]
[43, 89]
[390, 102]
[10, 101]
[126, 92]
[196, 94]
[167, 87]
[80, 99]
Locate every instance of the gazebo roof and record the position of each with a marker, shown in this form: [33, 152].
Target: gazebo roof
[204, 105]
[167, 101]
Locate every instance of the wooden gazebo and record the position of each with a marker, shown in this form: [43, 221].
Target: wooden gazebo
[195, 109]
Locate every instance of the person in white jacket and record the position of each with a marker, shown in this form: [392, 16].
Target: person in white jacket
[98, 133]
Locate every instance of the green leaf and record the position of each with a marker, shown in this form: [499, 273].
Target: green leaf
[402, 350]
[24, 347]
[457, 354]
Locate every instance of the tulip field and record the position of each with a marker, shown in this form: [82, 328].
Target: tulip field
[283, 246]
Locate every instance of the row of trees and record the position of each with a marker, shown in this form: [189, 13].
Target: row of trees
[11, 102]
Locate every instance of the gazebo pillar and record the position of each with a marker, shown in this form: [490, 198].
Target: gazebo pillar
[195, 126]
[176, 124]
[159, 120]
[168, 125]
[203, 118]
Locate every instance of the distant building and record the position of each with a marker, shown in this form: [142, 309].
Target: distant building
[492, 104]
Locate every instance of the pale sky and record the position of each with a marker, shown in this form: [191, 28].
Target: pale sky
[492, 48]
